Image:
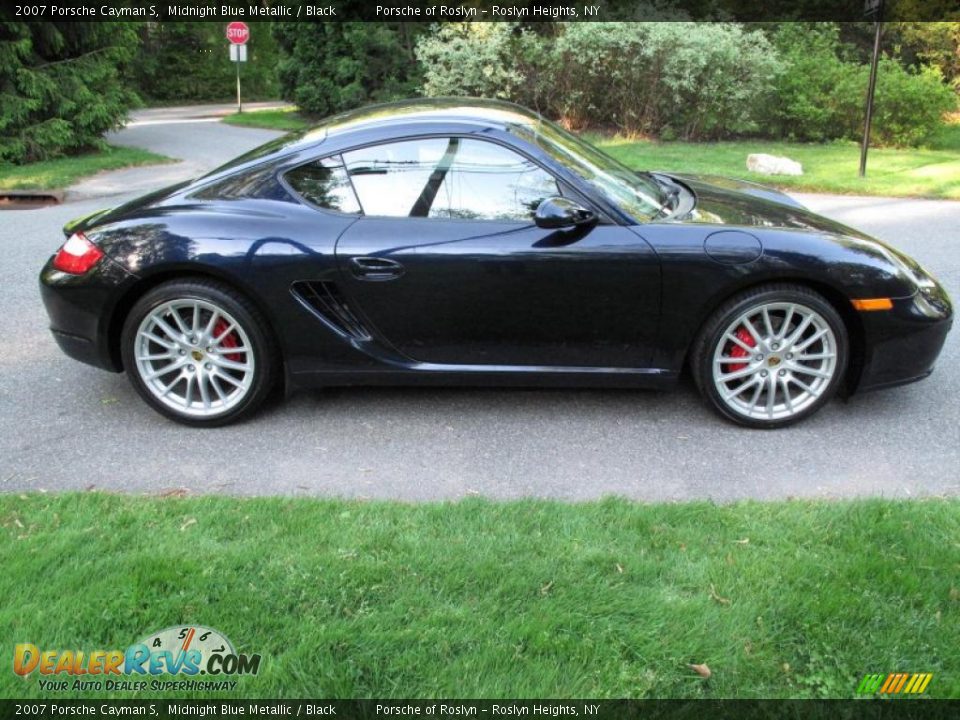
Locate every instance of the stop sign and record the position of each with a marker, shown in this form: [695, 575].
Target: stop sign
[238, 33]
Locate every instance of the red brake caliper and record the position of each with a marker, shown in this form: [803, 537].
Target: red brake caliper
[738, 352]
[231, 340]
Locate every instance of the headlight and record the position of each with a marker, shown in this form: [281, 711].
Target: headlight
[912, 269]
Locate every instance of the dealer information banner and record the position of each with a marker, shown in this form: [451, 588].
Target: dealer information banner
[470, 10]
[594, 709]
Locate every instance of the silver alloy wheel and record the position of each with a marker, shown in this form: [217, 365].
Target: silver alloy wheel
[194, 357]
[774, 360]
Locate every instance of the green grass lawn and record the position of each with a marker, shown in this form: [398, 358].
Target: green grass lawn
[63, 172]
[482, 600]
[285, 119]
[932, 171]
[832, 167]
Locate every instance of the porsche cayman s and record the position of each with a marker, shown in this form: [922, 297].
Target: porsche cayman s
[473, 242]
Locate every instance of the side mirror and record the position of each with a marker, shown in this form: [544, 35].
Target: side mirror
[558, 212]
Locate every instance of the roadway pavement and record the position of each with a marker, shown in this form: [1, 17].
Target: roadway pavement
[66, 426]
[193, 135]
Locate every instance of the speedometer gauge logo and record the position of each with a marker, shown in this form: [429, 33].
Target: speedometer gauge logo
[190, 637]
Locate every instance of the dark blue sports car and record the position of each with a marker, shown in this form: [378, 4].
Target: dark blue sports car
[473, 242]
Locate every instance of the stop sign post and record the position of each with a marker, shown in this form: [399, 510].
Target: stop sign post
[238, 33]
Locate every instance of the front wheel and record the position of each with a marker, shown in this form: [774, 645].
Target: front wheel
[198, 352]
[771, 356]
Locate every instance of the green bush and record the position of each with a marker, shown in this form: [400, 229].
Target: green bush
[492, 60]
[184, 62]
[694, 80]
[909, 105]
[61, 86]
[821, 90]
[683, 80]
[330, 67]
[817, 95]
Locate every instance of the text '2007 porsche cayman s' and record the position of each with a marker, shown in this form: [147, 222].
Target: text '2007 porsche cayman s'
[473, 242]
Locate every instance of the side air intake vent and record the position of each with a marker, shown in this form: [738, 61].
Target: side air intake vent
[325, 299]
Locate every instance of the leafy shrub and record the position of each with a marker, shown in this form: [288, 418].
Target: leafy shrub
[817, 94]
[61, 86]
[492, 60]
[330, 67]
[185, 62]
[701, 80]
[683, 80]
[909, 106]
[821, 91]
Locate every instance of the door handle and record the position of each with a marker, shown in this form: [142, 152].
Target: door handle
[374, 268]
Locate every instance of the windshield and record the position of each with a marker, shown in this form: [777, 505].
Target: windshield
[639, 196]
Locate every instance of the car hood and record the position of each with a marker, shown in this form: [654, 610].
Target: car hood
[725, 201]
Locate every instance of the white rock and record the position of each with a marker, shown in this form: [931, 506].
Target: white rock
[773, 165]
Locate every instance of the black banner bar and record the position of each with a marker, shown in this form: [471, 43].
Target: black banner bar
[527, 11]
[861, 709]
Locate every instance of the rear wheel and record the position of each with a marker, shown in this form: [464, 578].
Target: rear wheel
[771, 356]
[198, 352]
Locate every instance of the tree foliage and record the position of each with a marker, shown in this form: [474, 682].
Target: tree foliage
[933, 43]
[185, 62]
[61, 86]
[682, 79]
[821, 90]
[330, 67]
[694, 80]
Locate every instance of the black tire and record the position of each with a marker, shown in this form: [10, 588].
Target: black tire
[713, 333]
[266, 359]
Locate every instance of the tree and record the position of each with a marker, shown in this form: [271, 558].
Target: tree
[61, 86]
[330, 67]
[188, 62]
[934, 43]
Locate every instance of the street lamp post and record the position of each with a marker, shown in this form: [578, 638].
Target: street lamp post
[871, 8]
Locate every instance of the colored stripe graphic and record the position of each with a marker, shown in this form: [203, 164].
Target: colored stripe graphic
[894, 683]
[870, 684]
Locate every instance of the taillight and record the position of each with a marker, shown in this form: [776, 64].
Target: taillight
[77, 255]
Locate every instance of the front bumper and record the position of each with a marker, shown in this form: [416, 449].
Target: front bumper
[82, 309]
[903, 343]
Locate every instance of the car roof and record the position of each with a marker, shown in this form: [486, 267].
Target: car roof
[489, 113]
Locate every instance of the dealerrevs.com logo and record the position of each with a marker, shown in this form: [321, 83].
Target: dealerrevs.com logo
[180, 651]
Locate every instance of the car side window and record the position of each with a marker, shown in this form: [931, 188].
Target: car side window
[324, 183]
[458, 178]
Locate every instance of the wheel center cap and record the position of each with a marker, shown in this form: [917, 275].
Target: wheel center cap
[197, 355]
[773, 361]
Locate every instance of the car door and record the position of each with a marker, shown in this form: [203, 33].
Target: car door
[448, 267]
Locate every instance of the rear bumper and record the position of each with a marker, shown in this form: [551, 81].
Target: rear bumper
[81, 309]
[902, 344]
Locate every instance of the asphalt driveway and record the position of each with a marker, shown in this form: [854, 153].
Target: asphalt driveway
[67, 426]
